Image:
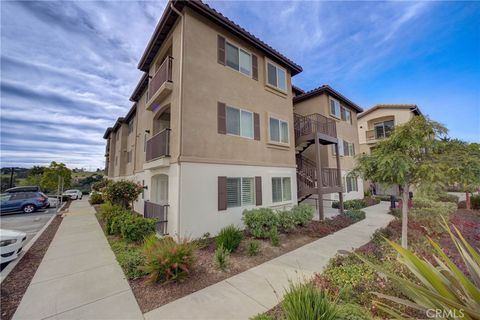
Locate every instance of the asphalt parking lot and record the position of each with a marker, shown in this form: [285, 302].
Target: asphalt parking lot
[28, 223]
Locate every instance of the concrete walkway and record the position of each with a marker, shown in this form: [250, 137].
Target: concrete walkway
[79, 277]
[259, 289]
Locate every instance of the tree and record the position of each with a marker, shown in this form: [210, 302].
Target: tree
[411, 156]
[51, 174]
[464, 166]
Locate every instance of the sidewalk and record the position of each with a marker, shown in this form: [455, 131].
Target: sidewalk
[79, 277]
[255, 290]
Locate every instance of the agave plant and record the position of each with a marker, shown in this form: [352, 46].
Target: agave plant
[442, 291]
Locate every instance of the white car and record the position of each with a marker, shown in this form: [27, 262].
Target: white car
[73, 194]
[11, 243]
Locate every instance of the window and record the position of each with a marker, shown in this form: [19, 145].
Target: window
[238, 59]
[281, 189]
[346, 115]
[383, 129]
[240, 192]
[130, 126]
[239, 122]
[276, 76]
[345, 148]
[278, 130]
[335, 108]
[352, 183]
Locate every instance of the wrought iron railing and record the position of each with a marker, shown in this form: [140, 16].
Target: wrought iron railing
[314, 123]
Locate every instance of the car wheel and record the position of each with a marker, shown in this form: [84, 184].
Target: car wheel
[29, 208]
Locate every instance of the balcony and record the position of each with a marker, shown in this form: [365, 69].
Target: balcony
[160, 85]
[372, 135]
[311, 127]
[158, 146]
[158, 212]
[307, 178]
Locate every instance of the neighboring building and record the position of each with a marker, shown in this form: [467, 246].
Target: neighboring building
[210, 132]
[375, 124]
[333, 118]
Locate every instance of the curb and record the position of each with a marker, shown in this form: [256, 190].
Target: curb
[5, 272]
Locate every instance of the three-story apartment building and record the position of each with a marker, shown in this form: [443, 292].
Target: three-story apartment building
[211, 129]
[334, 117]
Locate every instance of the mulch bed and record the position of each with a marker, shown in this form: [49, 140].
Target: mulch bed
[15, 285]
[205, 272]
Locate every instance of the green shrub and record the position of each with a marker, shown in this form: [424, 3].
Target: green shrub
[351, 311]
[305, 302]
[107, 213]
[221, 257]
[122, 192]
[462, 204]
[447, 198]
[286, 220]
[100, 185]
[420, 202]
[355, 215]
[274, 238]
[253, 247]
[396, 212]
[203, 241]
[350, 204]
[129, 258]
[166, 259]
[262, 316]
[475, 201]
[302, 214]
[116, 221]
[229, 237]
[260, 221]
[429, 213]
[135, 228]
[95, 198]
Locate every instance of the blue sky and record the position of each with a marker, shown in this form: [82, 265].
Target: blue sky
[68, 68]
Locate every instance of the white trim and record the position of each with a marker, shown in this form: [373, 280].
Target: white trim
[268, 61]
[242, 205]
[339, 117]
[280, 120]
[244, 50]
[240, 119]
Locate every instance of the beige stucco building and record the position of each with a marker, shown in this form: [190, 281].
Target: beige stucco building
[376, 123]
[212, 131]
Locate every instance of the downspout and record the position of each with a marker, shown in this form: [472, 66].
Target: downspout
[180, 96]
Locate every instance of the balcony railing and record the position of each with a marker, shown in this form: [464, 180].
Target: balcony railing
[330, 177]
[158, 146]
[314, 123]
[159, 212]
[163, 74]
[377, 134]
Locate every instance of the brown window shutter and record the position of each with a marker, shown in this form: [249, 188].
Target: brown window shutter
[222, 193]
[222, 118]
[254, 67]
[221, 49]
[258, 191]
[256, 126]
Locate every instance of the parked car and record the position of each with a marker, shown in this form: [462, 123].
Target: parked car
[11, 244]
[74, 194]
[52, 202]
[27, 202]
[24, 189]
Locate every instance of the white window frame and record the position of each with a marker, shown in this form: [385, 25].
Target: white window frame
[354, 186]
[337, 103]
[283, 200]
[276, 72]
[241, 131]
[280, 121]
[244, 51]
[242, 204]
